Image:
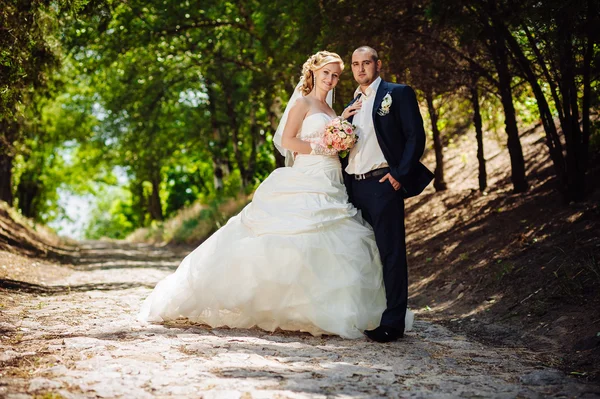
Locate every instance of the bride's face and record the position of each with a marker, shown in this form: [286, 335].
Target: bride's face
[327, 77]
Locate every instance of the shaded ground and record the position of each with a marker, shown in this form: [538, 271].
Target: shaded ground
[520, 270]
[77, 336]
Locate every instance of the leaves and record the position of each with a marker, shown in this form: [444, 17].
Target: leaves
[169, 100]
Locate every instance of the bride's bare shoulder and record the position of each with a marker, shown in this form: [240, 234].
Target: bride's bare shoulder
[301, 106]
[304, 101]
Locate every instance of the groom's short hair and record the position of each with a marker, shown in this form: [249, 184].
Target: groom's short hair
[371, 50]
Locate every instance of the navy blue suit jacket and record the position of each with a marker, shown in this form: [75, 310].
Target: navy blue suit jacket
[401, 136]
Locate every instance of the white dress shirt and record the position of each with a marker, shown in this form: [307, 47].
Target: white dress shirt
[366, 155]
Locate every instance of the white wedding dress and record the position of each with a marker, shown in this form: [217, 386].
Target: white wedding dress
[298, 257]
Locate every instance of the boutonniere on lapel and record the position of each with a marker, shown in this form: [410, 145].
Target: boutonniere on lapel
[385, 105]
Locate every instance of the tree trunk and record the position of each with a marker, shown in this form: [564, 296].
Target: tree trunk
[27, 193]
[254, 138]
[438, 182]
[6, 163]
[587, 92]
[154, 205]
[235, 132]
[478, 135]
[552, 138]
[138, 201]
[220, 167]
[517, 162]
[568, 88]
[549, 79]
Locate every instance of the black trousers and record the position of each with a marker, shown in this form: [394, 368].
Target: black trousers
[383, 208]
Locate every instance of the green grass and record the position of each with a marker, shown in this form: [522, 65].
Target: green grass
[193, 224]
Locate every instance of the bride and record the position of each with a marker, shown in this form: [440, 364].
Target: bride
[298, 257]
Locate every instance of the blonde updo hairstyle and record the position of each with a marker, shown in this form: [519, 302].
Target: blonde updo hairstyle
[314, 63]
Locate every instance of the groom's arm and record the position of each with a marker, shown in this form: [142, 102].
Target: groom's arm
[408, 117]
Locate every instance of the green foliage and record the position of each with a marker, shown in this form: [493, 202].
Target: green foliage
[113, 217]
[183, 89]
[192, 224]
[56, 153]
[160, 101]
[27, 55]
[184, 186]
[167, 93]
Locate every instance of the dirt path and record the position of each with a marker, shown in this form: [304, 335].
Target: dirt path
[78, 338]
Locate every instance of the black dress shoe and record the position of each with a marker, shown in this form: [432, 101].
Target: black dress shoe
[384, 334]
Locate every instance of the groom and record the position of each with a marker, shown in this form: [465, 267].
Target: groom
[381, 170]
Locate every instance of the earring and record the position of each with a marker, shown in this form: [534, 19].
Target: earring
[334, 95]
[314, 81]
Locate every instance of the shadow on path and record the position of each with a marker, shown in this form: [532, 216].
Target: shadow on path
[30, 288]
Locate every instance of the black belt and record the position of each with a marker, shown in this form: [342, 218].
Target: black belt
[373, 173]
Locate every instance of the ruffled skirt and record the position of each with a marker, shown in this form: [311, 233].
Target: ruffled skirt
[298, 257]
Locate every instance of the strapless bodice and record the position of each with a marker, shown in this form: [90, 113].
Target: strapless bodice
[314, 125]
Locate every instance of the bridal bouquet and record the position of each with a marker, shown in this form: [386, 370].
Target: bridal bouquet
[340, 135]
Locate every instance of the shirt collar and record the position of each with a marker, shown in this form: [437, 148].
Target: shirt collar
[370, 90]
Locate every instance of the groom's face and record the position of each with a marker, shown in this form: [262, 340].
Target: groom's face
[364, 68]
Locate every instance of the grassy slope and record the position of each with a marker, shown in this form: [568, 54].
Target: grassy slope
[29, 252]
[190, 225]
[19, 234]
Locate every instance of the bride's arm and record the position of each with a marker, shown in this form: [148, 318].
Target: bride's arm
[289, 141]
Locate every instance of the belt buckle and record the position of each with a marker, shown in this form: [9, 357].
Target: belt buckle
[362, 176]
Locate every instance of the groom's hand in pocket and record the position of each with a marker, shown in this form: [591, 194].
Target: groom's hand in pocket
[395, 183]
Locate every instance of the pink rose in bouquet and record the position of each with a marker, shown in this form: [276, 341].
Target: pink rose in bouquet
[340, 135]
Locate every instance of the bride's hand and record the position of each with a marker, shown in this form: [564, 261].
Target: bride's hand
[352, 110]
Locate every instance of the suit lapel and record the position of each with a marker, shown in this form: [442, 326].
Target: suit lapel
[381, 91]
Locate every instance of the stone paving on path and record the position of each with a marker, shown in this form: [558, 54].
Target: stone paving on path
[79, 338]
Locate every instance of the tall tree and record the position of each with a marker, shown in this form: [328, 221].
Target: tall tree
[477, 123]
[234, 60]
[26, 59]
[481, 22]
[451, 29]
[555, 43]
